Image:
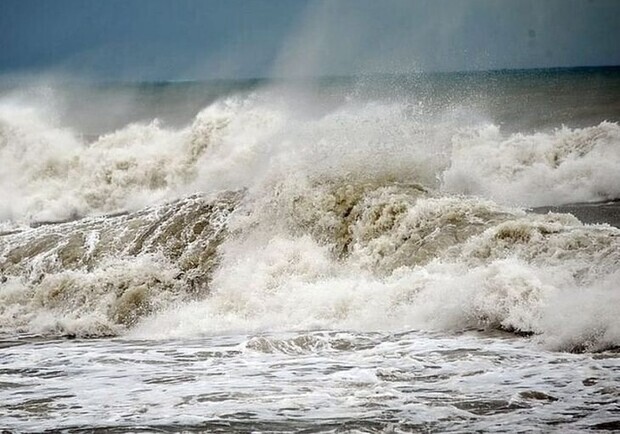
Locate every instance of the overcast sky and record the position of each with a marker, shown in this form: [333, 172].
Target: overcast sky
[194, 39]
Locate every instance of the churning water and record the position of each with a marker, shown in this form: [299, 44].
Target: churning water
[430, 253]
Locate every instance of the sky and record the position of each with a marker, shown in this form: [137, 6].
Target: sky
[199, 39]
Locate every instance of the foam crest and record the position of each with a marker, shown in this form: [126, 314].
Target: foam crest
[564, 166]
[35, 157]
[263, 138]
[53, 173]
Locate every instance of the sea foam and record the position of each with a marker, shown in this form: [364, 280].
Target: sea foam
[366, 216]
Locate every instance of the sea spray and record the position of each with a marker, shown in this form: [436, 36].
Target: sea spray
[363, 215]
[52, 173]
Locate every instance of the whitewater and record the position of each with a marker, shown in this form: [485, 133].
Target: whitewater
[289, 259]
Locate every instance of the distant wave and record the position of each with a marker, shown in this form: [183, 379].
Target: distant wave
[566, 166]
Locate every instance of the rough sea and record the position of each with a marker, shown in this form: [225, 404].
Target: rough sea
[396, 253]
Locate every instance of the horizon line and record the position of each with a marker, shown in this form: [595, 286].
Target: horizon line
[85, 79]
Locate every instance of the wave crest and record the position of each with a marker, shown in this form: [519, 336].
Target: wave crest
[565, 166]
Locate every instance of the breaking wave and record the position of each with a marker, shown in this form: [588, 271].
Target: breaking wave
[367, 216]
[565, 166]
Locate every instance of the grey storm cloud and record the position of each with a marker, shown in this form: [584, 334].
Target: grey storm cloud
[166, 39]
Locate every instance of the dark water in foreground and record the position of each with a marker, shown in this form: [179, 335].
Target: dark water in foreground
[592, 213]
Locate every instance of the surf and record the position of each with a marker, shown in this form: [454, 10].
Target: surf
[266, 214]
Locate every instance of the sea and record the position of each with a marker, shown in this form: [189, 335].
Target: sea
[382, 253]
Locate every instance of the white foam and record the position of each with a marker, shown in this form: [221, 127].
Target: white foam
[353, 218]
[524, 273]
[564, 166]
[51, 173]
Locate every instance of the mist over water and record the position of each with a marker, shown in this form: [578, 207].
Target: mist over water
[517, 138]
[340, 222]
